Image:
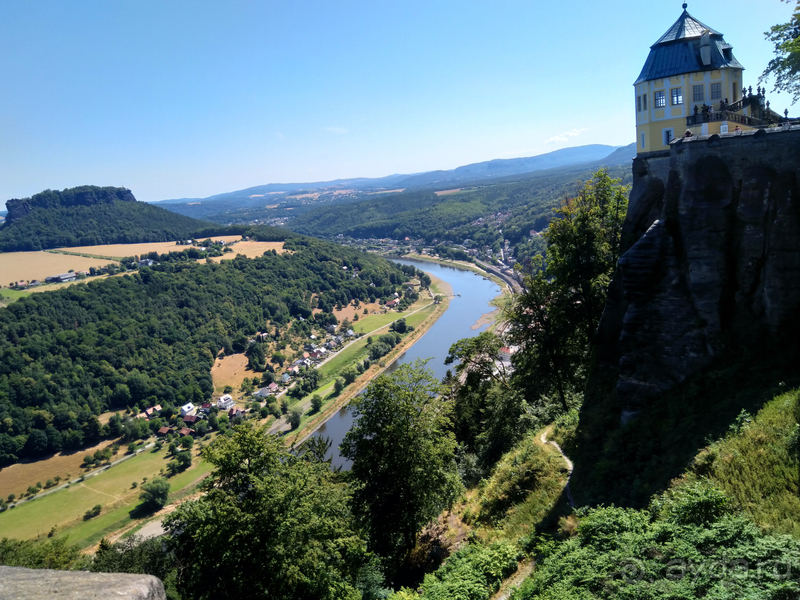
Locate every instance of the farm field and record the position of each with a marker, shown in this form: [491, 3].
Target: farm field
[17, 478]
[122, 250]
[250, 249]
[65, 507]
[230, 370]
[26, 266]
[86, 533]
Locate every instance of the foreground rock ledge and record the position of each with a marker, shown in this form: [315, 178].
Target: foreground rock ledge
[35, 584]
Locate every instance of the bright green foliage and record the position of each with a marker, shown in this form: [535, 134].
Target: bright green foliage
[53, 553]
[556, 317]
[272, 525]
[473, 573]
[627, 554]
[404, 472]
[154, 494]
[785, 67]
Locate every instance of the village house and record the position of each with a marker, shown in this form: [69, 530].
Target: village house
[187, 409]
[191, 419]
[163, 431]
[206, 407]
[185, 431]
[225, 402]
[263, 393]
[153, 411]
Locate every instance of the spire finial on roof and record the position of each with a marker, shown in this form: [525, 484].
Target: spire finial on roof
[685, 6]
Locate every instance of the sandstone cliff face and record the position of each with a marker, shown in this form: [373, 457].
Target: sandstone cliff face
[711, 261]
[80, 196]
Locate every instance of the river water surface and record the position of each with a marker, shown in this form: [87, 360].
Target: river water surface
[455, 324]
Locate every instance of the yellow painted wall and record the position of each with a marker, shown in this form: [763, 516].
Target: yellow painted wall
[653, 121]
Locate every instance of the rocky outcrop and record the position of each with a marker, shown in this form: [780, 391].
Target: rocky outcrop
[37, 584]
[87, 195]
[711, 259]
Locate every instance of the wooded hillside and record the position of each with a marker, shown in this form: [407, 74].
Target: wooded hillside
[151, 337]
[89, 216]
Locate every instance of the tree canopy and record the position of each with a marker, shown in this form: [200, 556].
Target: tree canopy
[273, 524]
[404, 472]
[555, 318]
[785, 67]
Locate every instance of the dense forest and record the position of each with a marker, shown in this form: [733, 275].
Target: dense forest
[90, 216]
[151, 337]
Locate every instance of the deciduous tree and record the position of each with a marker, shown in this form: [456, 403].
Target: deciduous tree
[403, 457]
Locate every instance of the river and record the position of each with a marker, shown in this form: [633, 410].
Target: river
[455, 324]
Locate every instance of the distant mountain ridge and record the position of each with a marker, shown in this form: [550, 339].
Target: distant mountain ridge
[89, 216]
[476, 171]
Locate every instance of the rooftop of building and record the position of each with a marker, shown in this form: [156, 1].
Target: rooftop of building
[678, 51]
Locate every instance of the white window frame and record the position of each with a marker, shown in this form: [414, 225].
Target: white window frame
[638, 104]
[667, 135]
[676, 96]
[660, 99]
[643, 140]
[644, 102]
[699, 93]
[716, 94]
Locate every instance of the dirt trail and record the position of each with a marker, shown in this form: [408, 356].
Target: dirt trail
[513, 582]
[570, 466]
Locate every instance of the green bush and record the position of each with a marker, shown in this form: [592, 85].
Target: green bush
[92, 512]
[473, 573]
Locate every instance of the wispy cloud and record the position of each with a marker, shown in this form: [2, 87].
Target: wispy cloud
[337, 130]
[563, 137]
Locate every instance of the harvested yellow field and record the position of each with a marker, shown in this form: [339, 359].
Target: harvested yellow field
[230, 370]
[27, 266]
[16, 478]
[251, 250]
[122, 250]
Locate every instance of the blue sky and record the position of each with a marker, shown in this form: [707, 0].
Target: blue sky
[191, 98]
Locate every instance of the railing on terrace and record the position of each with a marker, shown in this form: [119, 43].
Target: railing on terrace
[724, 115]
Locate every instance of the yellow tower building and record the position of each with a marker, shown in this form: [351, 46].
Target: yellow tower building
[691, 81]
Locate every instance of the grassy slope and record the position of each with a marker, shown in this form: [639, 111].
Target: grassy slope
[757, 464]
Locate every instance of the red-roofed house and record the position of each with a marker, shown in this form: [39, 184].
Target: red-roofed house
[191, 419]
[164, 431]
[185, 431]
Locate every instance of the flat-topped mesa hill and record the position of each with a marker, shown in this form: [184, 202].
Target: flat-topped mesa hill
[89, 216]
[87, 195]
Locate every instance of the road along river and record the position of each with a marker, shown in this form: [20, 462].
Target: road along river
[464, 312]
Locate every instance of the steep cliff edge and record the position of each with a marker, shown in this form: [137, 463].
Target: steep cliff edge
[711, 261]
[87, 195]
